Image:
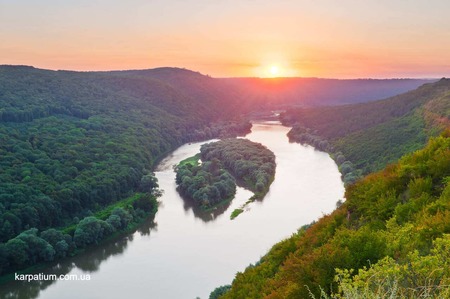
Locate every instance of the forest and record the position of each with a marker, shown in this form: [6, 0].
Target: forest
[389, 239]
[365, 137]
[207, 183]
[276, 93]
[32, 246]
[251, 163]
[73, 145]
[77, 151]
[224, 164]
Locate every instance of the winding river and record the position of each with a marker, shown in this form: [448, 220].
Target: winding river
[186, 253]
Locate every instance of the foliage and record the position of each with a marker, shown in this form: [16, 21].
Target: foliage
[236, 213]
[194, 160]
[219, 291]
[213, 180]
[207, 183]
[372, 135]
[91, 230]
[31, 247]
[387, 142]
[415, 277]
[28, 248]
[62, 243]
[73, 144]
[304, 135]
[392, 216]
[252, 164]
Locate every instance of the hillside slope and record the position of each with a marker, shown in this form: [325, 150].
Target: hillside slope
[371, 135]
[392, 216]
[309, 92]
[73, 145]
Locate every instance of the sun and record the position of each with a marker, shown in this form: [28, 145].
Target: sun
[274, 71]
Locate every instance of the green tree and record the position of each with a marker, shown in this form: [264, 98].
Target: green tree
[16, 251]
[90, 230]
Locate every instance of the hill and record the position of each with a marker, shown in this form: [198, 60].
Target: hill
[392, 232]
[75, 147]
[368, 136]
[309, 92]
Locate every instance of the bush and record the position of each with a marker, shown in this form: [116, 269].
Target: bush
[91, 230]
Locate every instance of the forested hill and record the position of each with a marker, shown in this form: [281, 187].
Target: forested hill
[80, 94]
[392, 231]
[198, 87]
[371, 135]
[255, 93]
[73, 144]
[165, 87]
[307, 92]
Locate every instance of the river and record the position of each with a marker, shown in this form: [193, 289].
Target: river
[185, 253]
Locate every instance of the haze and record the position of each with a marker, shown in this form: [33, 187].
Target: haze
[339, 39]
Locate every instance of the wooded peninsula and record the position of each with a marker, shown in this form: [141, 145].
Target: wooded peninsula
[224, 164]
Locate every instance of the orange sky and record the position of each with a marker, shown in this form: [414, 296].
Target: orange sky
[229, 38]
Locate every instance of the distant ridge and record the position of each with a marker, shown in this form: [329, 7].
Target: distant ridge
[322, 92]
[266, 93]
[373, 134]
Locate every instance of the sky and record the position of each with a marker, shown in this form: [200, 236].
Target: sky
[232, 38]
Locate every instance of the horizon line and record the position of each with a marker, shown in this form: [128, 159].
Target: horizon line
[225, 77]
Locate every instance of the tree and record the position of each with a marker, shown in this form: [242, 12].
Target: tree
[145, 202]
[114, 221]
[16, 250]
[4, 262]
[148, 183]
[125, 216]
[7, 231]
[61, 248]
[37, 248]
[219, 291]
[60, 242]
[90, 230]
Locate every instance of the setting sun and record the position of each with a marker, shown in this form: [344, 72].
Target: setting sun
[274, 71]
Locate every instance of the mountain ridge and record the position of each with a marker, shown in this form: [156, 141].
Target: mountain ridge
[373, 134]
[266, 93]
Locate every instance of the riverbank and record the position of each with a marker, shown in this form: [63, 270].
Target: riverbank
[103, 214]
[195, 252]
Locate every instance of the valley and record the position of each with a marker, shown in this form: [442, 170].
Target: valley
[88, 187]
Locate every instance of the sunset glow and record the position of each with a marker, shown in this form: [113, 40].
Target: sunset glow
[274, 71]
[345, 39]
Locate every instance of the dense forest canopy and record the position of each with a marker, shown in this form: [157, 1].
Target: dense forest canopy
[207, 184]
[73, 144]
[223, 163]
[249, 162]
